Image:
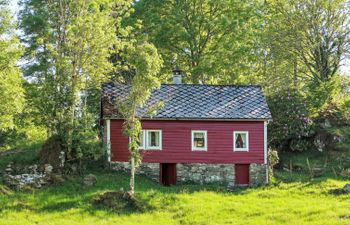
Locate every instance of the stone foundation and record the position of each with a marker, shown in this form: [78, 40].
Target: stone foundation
[206, 173]
[150, 170]
[257, 174]
[200, 173]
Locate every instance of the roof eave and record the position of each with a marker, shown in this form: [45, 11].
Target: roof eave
[198, 119]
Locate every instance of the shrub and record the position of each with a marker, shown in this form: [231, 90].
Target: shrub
[333, 123]
[273, 160]
[291, 126]
[88, 144]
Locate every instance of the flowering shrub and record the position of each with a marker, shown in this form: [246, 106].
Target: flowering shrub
[291, 126]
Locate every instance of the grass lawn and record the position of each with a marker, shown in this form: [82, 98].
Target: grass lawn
[294, 202]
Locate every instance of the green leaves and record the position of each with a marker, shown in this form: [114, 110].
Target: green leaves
[68, 49]
[211, 40]
[11, 90]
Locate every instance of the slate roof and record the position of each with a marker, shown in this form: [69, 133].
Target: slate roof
[187, 101]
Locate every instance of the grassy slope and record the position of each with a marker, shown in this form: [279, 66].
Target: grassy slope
[293, 199]
[290, 203]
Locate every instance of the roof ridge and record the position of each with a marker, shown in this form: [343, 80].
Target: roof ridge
[216, 85]
[196, 85]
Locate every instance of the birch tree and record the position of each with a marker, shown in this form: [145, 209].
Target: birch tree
[144, 64]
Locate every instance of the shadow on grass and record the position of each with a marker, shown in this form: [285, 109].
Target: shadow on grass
[73, 195]
[59, 206]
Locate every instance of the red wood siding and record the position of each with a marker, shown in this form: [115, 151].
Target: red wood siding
[176, 142]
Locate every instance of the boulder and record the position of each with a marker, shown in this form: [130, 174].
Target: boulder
[346, 188]
[90, 180]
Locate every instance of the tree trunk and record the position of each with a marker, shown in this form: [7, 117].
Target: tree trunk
[132, 177]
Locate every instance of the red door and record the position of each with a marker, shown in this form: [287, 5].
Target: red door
[168, 174]
[242, 174]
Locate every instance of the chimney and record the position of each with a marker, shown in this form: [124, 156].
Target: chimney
[177, 76]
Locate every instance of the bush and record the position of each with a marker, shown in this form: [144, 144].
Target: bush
[292, 126]
[333, 122]
[88, 145]
[273, 160]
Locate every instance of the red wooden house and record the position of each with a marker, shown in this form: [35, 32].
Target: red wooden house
[203, 134]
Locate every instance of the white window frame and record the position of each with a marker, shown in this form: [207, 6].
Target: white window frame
[246, 149]
[194, 148]
[147, 147]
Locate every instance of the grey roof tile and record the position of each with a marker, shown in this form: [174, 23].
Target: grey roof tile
[187, 101]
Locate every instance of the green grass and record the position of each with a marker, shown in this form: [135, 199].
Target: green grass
[293, 198]
[28, 156]
[297, 202]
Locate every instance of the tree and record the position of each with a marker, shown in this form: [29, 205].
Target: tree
[11, 90]
[68, 48]
[211, 41]
[308, 40]
[144, 63]
[313, 34]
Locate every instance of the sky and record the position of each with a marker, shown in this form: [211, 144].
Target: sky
[344, 69]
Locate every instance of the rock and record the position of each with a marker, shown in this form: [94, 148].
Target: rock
[48, 169]
[90, 180]
[62, 159]
[9, 168]
[346, 188]
[33, 169]
[24, 180]
[27, 177]
[57, 179]
[341, 191]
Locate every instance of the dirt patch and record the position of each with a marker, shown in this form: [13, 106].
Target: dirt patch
[338, 191]
[120, 202]
[51, 151]
[344, 217]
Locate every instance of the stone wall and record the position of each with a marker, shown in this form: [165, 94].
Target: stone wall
[199, 172]
[257, 174]
[150, 170]
[206, 173]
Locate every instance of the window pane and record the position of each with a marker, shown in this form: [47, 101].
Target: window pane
[241, 140]
[199, 141]
[153, 139]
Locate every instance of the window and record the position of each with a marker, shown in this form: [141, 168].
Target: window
[240, 141]
[199, 140]
[150, 140]
[154, 139]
